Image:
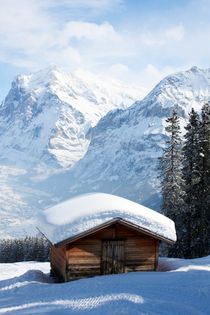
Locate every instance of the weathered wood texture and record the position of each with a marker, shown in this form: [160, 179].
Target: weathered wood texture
[58, 262]
[114, 249]
[113, 257]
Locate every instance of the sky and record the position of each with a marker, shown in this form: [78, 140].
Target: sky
[135, 41]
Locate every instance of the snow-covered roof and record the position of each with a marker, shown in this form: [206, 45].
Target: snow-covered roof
[86, 212]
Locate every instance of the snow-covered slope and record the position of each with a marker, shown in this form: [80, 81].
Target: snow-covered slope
[26, 289]
[125, 144]
[45, 124]
[48, 120]
[46, 116]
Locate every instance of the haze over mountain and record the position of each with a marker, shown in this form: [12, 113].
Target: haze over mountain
[83, 131]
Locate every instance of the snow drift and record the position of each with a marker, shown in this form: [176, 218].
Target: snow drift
[154, 293]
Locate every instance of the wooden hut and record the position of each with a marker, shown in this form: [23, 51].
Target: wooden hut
[98, 234]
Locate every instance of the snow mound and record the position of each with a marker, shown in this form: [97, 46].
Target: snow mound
[18, 269]
[85, 212]
[179, 264]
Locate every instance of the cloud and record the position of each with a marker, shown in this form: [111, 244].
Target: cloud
[31, 37]
[118, 70]
[153, 74]
[98, 36]
[145, 78]
[162, 36]
[90, 31]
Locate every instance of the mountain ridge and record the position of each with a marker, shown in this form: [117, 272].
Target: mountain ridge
[125, 144]
[56, 110]
[121, 155]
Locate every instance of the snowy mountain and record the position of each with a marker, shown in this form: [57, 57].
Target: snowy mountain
[125, 145]
[51, 121]
[46, 116]
[45, 124]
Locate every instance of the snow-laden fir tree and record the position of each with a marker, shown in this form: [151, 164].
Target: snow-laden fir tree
[25, 249]
[192, 178]
[204, 183]
[173, 205]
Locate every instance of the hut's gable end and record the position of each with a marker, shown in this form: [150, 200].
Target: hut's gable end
[113, 249]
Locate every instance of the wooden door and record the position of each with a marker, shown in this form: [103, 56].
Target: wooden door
[113, 257]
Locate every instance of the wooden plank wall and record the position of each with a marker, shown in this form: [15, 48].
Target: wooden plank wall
[84, 256]
[140, 253]
[58, 262]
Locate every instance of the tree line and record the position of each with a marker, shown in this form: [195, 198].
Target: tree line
[24, 249]
[185, 183]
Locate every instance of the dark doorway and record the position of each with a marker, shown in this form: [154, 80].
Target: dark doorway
[113, 257]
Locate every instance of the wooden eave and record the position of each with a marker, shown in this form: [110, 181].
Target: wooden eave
[110, 222]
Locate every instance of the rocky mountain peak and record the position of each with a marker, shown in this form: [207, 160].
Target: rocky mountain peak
[126, 144]
[47, 114]
[83, 130]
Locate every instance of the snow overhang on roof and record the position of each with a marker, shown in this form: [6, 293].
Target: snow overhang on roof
[86, 213]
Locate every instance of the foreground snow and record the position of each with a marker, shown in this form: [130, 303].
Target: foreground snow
[158, 293]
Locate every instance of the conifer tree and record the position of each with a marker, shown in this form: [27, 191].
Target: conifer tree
[204, 184]
[24, 249]
[191, 175]
[172, 183]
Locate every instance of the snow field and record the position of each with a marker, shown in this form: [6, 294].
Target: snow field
[182, 291]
